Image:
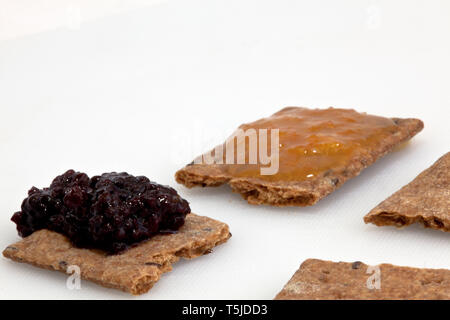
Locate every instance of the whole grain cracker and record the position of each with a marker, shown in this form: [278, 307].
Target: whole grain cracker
[424, 200]
[327, 280]
[296, 193]
[137, 269]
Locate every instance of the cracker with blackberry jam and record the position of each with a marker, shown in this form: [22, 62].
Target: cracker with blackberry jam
[122, 231]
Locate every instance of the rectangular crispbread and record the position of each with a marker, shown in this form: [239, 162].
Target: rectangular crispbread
[137, 269]
[424, 200]
[297, 193]
[326, 280]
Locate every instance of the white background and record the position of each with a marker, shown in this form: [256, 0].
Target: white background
[143, 87]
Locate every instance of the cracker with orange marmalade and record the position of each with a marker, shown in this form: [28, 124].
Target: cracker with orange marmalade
[317, 151]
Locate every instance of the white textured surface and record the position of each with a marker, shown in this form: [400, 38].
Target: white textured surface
[138, 90]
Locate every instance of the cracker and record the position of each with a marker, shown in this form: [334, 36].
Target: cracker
[134, 271]
[326, 280]
[425, 200]
[297, 193]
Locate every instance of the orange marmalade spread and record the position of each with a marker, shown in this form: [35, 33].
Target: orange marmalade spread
[312, 142]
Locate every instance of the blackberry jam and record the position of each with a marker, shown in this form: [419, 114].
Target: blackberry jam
[109, 212]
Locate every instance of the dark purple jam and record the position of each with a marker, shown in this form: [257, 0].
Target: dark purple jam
[108, 212]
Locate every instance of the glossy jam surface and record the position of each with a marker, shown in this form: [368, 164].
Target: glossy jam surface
[108, 212]
[313, 141]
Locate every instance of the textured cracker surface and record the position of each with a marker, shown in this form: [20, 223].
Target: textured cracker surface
[424, 200]
[134, 271]
[325, 280]
[296, 193]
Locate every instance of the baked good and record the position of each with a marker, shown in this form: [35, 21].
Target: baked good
[318, 150]
[327, 280]
[135, 270]
[425, 200]
[121, 231]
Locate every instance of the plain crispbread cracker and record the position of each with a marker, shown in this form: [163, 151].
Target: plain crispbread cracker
[134, 271]
[326, 280]
[424, 200]
[296, 193]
